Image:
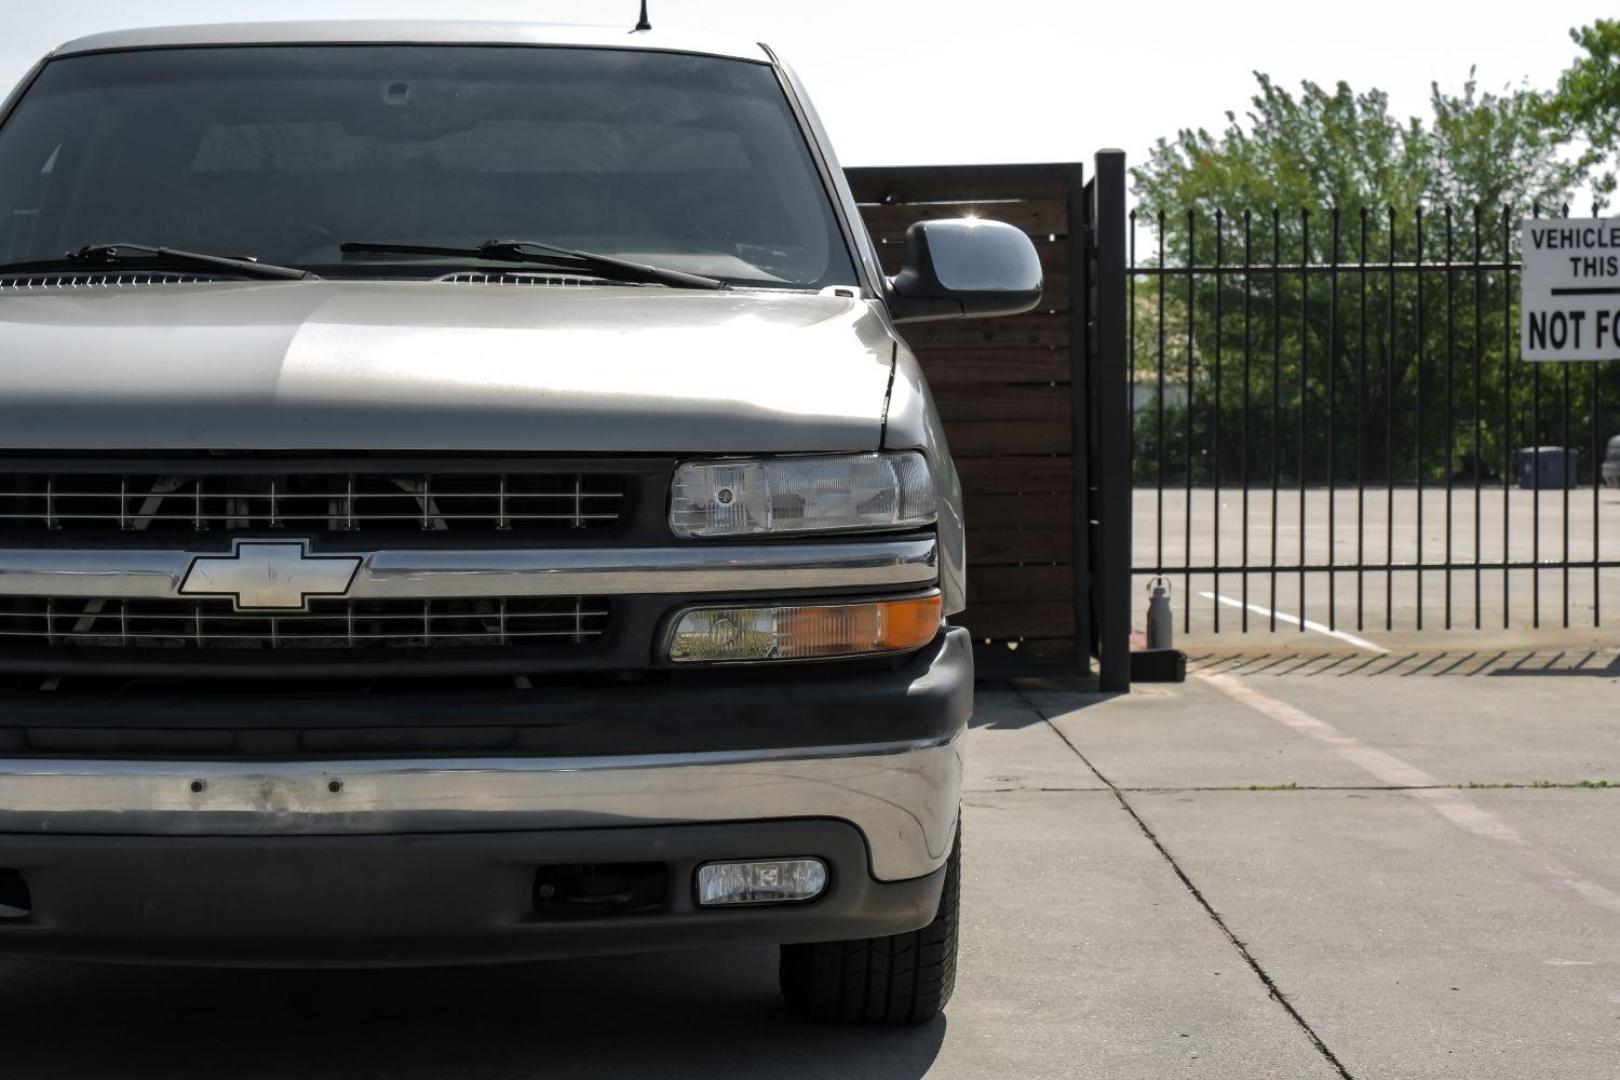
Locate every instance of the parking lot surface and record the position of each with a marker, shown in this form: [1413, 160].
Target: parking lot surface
[1307, 863]
[1374, 527]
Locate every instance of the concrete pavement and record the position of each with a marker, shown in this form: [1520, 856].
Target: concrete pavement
[1238, 877]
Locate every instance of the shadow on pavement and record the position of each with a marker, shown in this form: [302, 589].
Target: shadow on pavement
[1027, 702]
[1582, 667]
[1438, 663]
[697, 1014]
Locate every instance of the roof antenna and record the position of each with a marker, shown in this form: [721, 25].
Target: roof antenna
[643, 24]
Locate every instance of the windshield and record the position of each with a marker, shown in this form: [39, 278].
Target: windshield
[285, 153]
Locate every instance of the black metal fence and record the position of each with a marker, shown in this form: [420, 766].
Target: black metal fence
[1331, 423]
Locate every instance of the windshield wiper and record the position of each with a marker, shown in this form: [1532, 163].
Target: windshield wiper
[112, 254]
[532, 251]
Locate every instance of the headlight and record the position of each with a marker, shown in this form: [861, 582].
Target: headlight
[720, 635]
[801, 495]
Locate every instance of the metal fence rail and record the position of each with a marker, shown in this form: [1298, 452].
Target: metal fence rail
[1347, 368]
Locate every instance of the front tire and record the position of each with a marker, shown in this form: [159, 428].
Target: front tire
[900, 979]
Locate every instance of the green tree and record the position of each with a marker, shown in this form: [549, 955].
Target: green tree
[1492, 150]
[1587, 99]
[1267, 363]
[1342, 148]
[1321, 148]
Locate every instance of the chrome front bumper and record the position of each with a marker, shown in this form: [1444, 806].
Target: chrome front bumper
[902, 796]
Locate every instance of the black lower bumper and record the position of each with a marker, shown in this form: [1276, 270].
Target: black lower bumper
[926, 695]
[367, 901]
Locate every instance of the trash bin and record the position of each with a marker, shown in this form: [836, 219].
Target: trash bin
[1559, 467]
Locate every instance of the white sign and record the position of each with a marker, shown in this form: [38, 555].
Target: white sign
[1569, 299]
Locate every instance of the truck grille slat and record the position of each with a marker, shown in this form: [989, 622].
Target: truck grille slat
[135, 521]
[50, 622]
[88, 503]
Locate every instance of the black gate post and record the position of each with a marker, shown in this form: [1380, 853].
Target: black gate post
[1110, 403]
[1080, 305]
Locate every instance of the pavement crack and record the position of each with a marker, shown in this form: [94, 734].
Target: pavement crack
[1197, 894]
[1285, 789]
[1020, 789]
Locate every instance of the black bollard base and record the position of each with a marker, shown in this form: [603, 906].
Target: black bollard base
[1158, 665]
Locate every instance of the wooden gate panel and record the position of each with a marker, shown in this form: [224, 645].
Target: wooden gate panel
[1005, 391]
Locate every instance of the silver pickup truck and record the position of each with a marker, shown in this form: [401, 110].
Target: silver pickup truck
[463, 497]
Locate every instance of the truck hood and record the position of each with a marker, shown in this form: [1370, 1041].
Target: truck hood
[424, 366]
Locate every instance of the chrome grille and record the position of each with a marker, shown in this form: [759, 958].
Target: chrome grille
[160, 503]
[331, 624]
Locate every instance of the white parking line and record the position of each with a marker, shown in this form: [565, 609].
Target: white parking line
[1449, 802]
[1283, 616]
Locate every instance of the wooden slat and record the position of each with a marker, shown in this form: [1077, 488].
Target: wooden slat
[1000, 547]
[1042, 619]
[992, 510]
[959, 367]
[1055, 292]
[1018, 584]
[1013, 331]
[1015, 474]
[1000, 660]
[1005, 403]
[906, 190]
[1054, 255]
[978, 437]
[1043, 218]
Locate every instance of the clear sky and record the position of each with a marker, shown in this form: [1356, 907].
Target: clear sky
[954, 81]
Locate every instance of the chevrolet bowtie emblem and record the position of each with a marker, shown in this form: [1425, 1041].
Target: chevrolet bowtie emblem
[263, 576]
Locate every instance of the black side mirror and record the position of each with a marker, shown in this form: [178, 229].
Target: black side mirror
[965, 267]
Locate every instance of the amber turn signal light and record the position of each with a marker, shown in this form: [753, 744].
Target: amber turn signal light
[805, 632]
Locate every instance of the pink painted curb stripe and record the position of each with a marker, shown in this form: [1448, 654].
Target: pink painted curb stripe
[1449, 802]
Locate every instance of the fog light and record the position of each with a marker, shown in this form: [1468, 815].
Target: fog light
[810, 632]
[773, 881]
